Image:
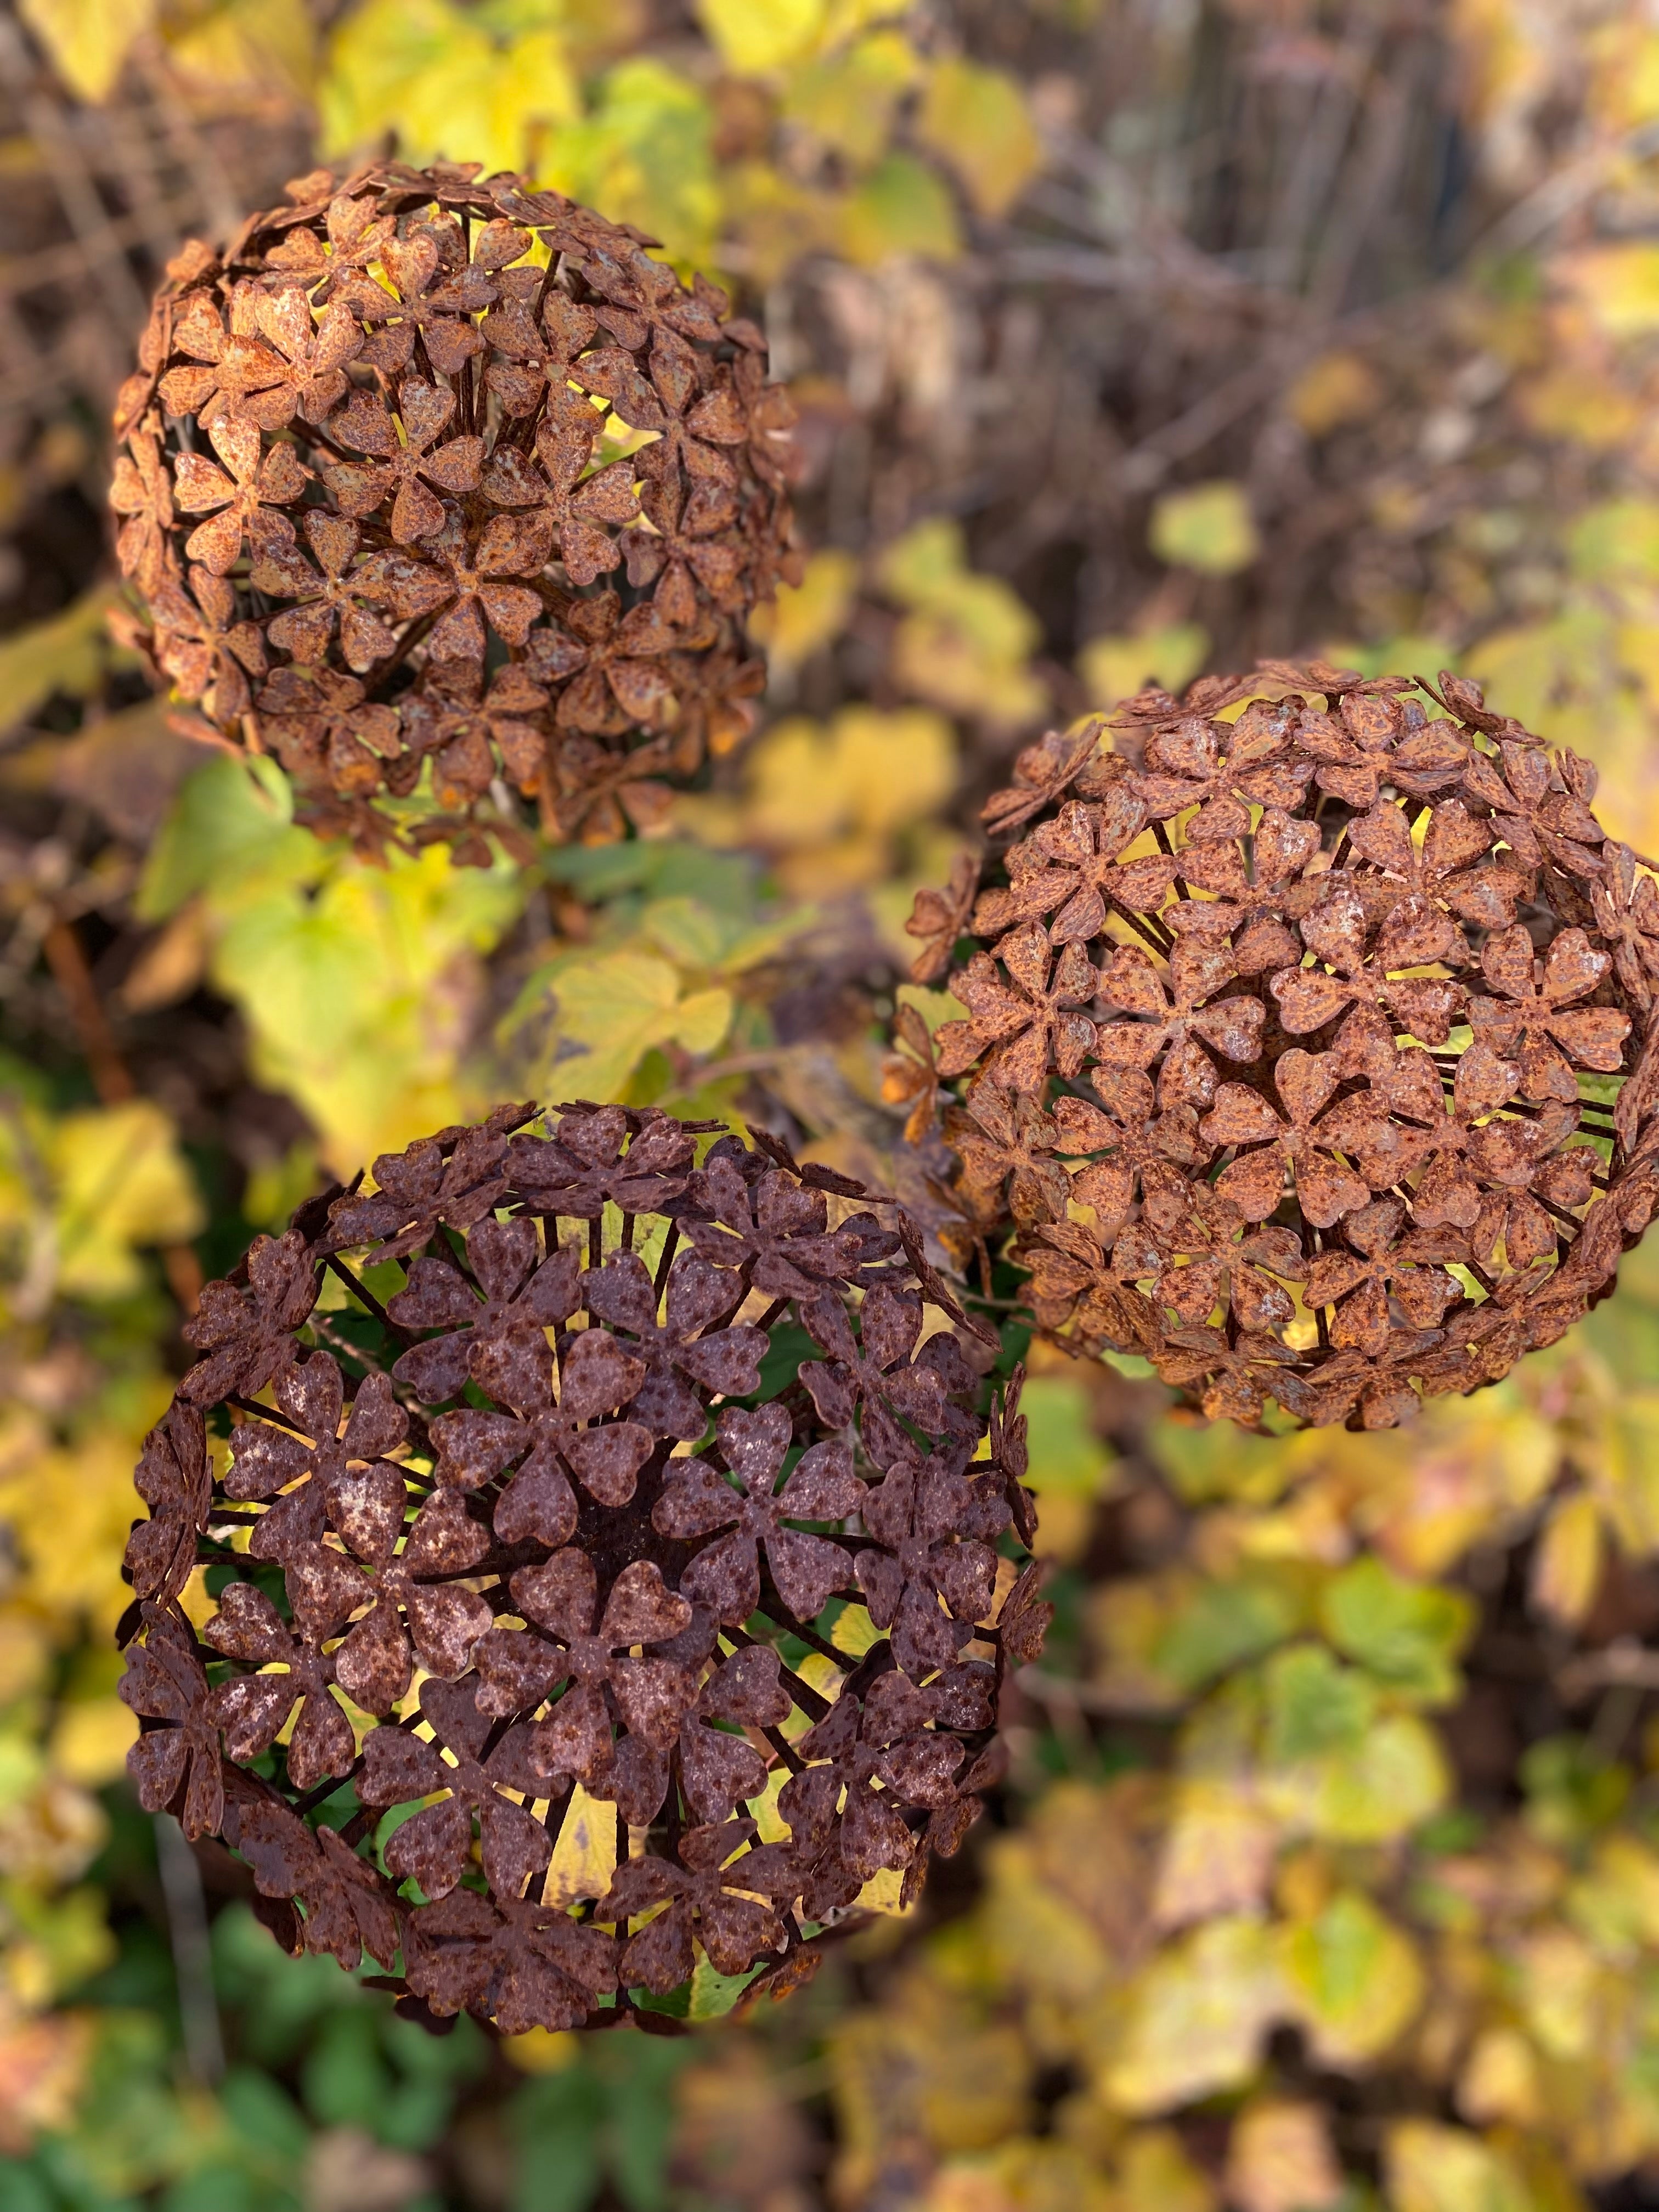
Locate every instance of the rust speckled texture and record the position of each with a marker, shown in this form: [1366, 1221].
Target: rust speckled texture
[1310, 1046]
[592, 1457]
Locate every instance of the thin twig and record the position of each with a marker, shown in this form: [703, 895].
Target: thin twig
[193, 1953]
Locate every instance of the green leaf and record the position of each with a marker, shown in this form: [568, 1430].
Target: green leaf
[712, 1993]
[673, 868]
[644, 154]
[263, 2114]
[1620, 538]
[555, 2126]
[230, 832]
[1572, 1790]
[696, 936]
[1209, 1459]
[1407, 1634]
[1367, 1792]
[901, 207]
[88, 41]
[1209, 528]
[1067, 1456]
[612, 1010]
[1221, 1624]
[1356, 1979]
[977, 120]
[1314, 1704]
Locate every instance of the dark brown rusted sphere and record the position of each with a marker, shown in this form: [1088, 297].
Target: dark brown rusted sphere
[384, 500]
[589, 1531]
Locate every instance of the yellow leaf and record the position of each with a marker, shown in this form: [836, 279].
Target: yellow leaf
[359, 998]
[806, 616]
[1560, 1986]
[781, 221]
[170, 966]
[965, 2084]
[1025, 2173]
[1619, 284]
[977, 120]
[755, 37]
[25, 1652]
[701, 1019]
[1208, 528]
[88, 41]
[121, 1181]
[1433, 2168]
[1114, 668]
[1616, 1904]
[942, 658]
[43, 2065]
[253, 48]
[90, 1741]
[1280, 2160]
[543, 2050]
[969, 637]
[1573, 401]
[70, 652]
[1154, 2169]
[881, 1893]
[1567, 1567]
[853, 1632]
[860, 779]
[847, 99]
[1355, 1980]
[1335, 388]
[758, 38]
[900, 207]
[584, 1856]
[614, 1008]
[1217, 1855]
[1500, 2081]
[435, 77]
[1619, 539]
[1197, 2017]
[67, 1513]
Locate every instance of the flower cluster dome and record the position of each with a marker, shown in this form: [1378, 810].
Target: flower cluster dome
[1309, 1043]
[612, 1559]
[441, 489]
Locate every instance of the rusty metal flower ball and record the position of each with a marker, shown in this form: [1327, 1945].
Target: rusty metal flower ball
[1311, 1043]
[610, 1572]
[441, 489]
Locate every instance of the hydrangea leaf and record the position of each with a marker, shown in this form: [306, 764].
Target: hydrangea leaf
[1407, 1634]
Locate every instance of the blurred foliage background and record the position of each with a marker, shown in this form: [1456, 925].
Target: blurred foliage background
[1129, 337]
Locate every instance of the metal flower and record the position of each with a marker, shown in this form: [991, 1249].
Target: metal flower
[1346, 970]
[385, 350]
[555, 1518]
